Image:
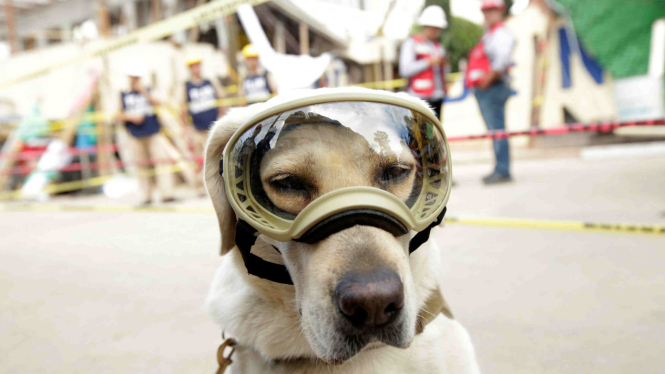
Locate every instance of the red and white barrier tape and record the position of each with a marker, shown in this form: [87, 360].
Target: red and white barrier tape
[78, 166]
[603, 127]
[35, 155]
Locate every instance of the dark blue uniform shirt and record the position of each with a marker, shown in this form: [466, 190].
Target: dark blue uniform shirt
[136, 103]
[202, 104]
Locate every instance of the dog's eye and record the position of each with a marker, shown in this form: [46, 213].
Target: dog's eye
[289, 184]
[395, 173]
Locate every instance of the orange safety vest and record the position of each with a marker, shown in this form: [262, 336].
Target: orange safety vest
[479, 64]
[423, 83]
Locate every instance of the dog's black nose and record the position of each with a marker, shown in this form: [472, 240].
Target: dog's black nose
[370, 299]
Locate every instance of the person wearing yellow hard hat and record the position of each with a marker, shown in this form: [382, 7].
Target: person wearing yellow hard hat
[257, 85]
[146, 141]
[200, 104]
[199, 100]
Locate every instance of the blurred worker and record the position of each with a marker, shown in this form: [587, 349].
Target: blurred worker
[201, 97]
[147, 143]
[257, 85]
[487, 72]
[422, 59]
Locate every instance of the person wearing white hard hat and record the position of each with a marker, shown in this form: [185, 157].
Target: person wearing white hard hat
[487, 72]
[146, 142]
[423, 61]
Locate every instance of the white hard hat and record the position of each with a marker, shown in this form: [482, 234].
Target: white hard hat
[433, 16]
[493, 4]
[134, 67]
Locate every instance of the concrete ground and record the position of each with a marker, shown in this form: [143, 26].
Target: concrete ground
[84, 292]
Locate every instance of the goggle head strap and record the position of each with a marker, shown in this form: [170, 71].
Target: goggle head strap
[246, 235]
[423, 236]
[245, 238]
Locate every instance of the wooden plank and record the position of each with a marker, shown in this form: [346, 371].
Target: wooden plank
[10, 22]
[304, 38]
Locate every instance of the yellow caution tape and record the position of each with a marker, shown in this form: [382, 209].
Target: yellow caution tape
[103, 208]
[562, 225]
[186, 20]
[94, 117]
[96, 181]
[395, 83]
[495, 222]
[100, 116]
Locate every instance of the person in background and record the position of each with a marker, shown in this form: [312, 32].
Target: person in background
[146, 142]
[257, 85]
[488, 74]
[422, 59]
[200, 103]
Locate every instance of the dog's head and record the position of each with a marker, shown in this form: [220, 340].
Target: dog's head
[355, 288]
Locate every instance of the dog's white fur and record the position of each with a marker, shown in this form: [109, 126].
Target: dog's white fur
[263, 316]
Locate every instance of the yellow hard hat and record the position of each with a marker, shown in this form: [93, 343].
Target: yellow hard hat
[250, 51]
[193, 59]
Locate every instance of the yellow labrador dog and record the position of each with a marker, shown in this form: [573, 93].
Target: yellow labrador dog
[310, 326]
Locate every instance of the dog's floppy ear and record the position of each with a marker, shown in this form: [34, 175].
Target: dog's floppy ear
[220, 134]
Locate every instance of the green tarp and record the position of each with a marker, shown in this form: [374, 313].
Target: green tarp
[617, 32]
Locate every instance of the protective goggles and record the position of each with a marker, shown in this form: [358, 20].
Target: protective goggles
[311, 167]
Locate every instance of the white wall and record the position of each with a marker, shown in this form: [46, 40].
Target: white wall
[56, 14]
[58, 91]
[586, 99]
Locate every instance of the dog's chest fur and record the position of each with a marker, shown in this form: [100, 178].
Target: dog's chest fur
[267, 327]
[443, 348]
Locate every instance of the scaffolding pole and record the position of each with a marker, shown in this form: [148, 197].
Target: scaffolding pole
[11, 25]
[104, 21]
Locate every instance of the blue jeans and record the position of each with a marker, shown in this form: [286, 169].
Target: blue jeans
[492, 104]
